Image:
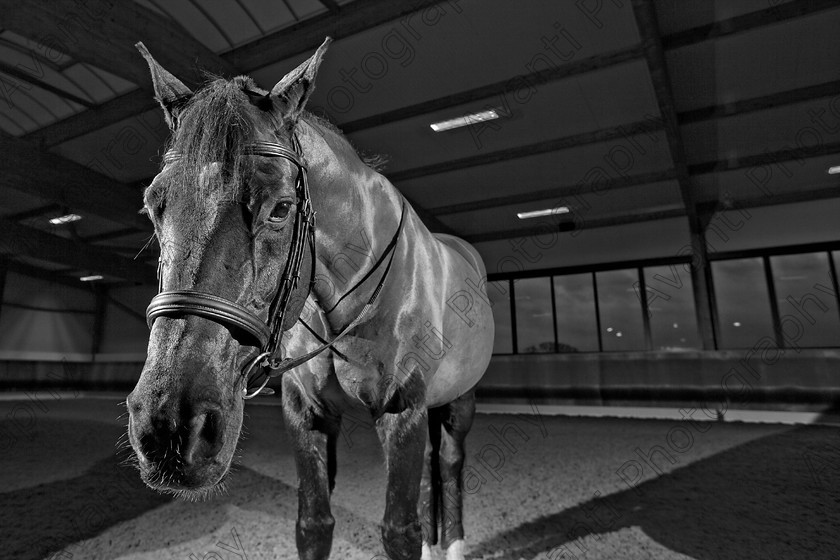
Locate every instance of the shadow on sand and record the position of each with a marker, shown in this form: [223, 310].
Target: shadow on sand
[775, 497]
[108, 504]
[41, 520]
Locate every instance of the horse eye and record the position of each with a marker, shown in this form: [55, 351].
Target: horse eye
[281, 210]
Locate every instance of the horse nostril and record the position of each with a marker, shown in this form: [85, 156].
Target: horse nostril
[155, 435]
[151, 447]
[133, 403]
[206, 436]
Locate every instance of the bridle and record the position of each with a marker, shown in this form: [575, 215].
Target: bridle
[247, 327]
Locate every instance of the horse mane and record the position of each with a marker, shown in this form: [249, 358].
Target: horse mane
[216, 125]
[375, 161]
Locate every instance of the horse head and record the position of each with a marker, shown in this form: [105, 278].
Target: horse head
[227, 212]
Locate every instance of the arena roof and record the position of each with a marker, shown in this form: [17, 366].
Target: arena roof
[625, 112]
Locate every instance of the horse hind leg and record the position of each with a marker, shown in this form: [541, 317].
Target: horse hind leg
[456, 421]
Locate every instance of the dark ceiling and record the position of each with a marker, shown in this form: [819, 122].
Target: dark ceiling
[624, 111]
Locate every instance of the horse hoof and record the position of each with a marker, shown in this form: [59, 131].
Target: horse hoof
[455, 551]
[426, 553]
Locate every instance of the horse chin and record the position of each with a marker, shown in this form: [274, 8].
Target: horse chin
[193, 486]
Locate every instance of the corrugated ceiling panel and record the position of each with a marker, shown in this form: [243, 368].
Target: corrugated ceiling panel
[115, 83]
[32, 64]
[31, 106]
[679, 16]
[222, 25]
[151, 6]
[623, 202]
[269, 15]
[48, 53]
[577, 105]
[306, 8]
[197, 23]
[14, 202]
[766, 181]
[97, 88]
[749, 134]
[430, 55]
[231, 21]
[9, 126]
[582, 164]
[775, 58]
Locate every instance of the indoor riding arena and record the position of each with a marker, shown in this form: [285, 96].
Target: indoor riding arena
[419, 280]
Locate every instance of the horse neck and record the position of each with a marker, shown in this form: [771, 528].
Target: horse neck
[357, 215]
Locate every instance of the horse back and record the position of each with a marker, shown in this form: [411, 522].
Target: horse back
[464, 249]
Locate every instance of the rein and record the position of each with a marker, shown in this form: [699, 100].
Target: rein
[247, 327]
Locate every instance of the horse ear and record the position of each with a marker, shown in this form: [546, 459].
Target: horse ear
[294, 89]
[169, 90]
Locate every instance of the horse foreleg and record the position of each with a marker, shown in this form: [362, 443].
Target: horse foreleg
[314, 440]
[430, 486]
[403, 437]
[456, 423]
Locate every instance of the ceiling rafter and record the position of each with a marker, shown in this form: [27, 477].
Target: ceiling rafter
[29, 170]
[113, 111]
[553, 145]
[54, 276]
[286, 43]
[596, 62]
[103, 34]
[109, 235]
[354, 18]
[303, 37]
[789, 97]
[331, 5]
[746, 22]
[39, 58]
[569, 224]
[555, 193]
[17, 239]
[34, 212]
[37, 82]
[776, 158]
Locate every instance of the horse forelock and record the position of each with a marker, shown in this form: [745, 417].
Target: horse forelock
[215, 127]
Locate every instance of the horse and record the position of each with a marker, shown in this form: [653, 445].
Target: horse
[252, 288]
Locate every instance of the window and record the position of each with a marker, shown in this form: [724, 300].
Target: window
[604, 310]
[807, 303]
[620, 309]
[534, 316]
[743, 303]
[671, 312]
[499, 295]
[577, 323]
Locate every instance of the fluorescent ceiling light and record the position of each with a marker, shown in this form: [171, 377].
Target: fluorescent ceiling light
[834, 170]
[66, 219]
[466, 120]
[91, 278]
[540, 213]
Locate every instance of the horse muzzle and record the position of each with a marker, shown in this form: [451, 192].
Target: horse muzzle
[179, 447]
